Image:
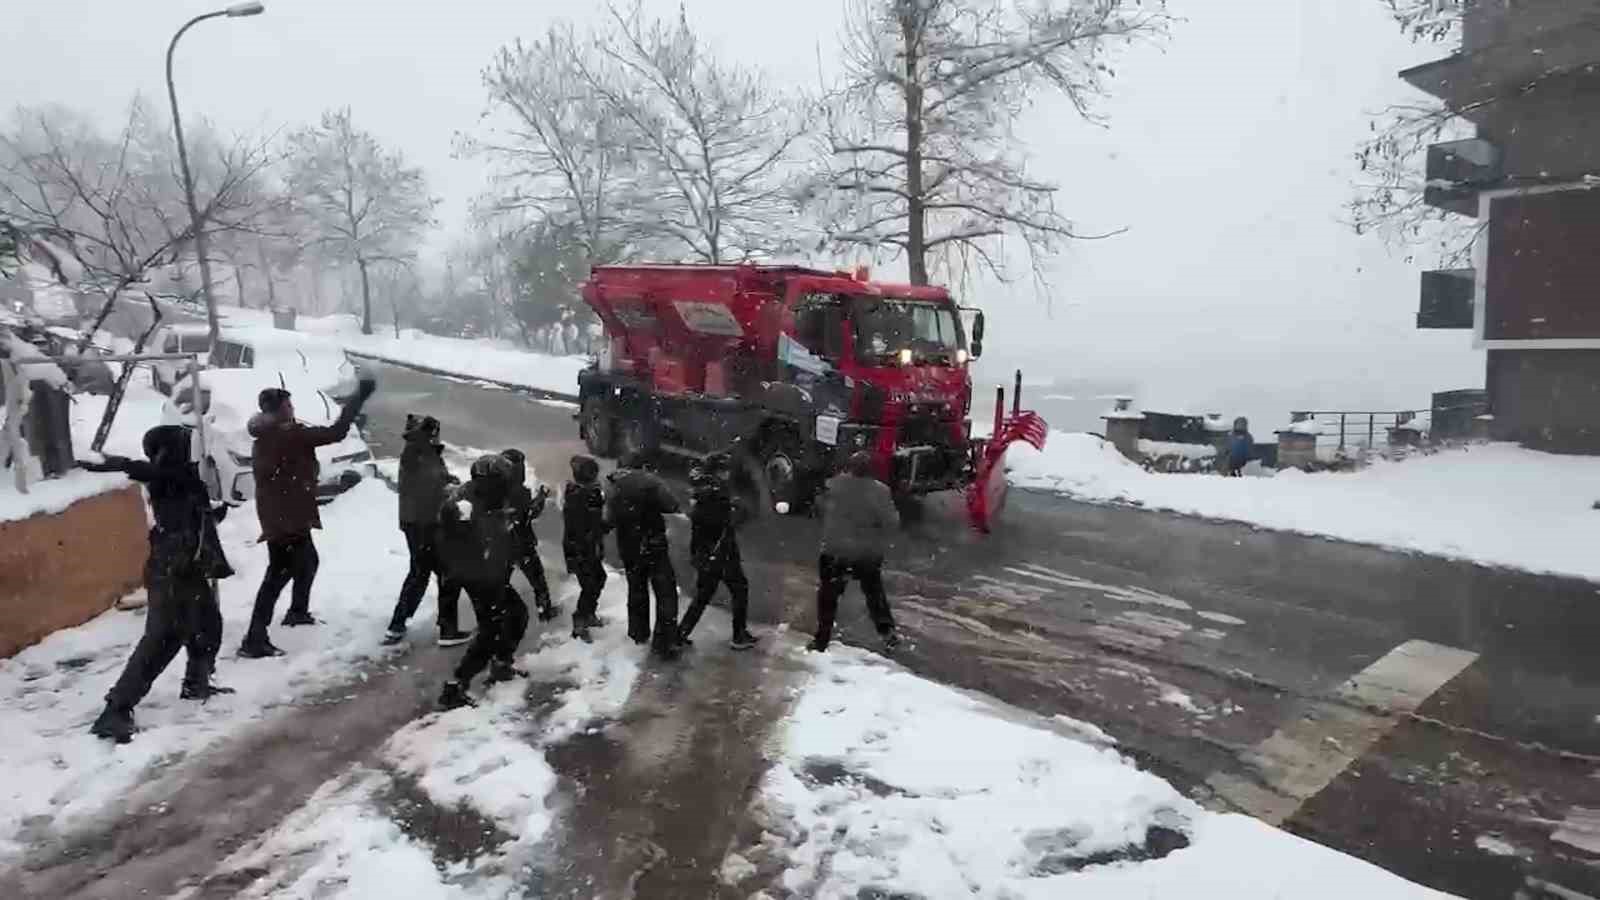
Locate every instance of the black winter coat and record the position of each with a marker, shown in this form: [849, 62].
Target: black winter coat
[183, 540]
[480, 549]
[424, 480]
[713, 518]
[583, 520]
[639, 501]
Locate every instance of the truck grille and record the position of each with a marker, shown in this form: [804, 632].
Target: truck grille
[923, 430]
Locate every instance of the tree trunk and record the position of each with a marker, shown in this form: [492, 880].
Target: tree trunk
[238, 285]
[366, 297]
[266, 272]
[916, 213]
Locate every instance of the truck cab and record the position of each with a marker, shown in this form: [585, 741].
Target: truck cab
[795, 369]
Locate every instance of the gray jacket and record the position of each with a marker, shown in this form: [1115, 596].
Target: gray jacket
[858, 517]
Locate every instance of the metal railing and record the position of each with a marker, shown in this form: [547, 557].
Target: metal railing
[1360, 429]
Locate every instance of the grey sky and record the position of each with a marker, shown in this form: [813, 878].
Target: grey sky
[1227, 156]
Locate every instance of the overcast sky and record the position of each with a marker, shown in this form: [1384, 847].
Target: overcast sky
[1228, 156]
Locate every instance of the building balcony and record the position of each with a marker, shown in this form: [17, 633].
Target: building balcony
[1447, 298]
[1457, 170]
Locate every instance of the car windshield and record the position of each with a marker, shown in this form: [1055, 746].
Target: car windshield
[884, 327]
[194, 343]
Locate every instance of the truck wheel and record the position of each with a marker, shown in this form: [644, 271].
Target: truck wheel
[598, 427]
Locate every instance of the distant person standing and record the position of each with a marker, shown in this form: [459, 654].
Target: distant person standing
[583, 506]
[526, 506]
[714, 547]
[185, 555]
[424, 484]
[858, 518]
[1240, 446]
[639, 501]
[286, 468]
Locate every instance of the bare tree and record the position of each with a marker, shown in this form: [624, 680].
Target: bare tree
[559, 156]
[715, 141]
[920, 159]
[116, 201]
[359, 200]
[1428, 20]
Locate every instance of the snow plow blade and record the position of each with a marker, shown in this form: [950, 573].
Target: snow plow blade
[986, 496]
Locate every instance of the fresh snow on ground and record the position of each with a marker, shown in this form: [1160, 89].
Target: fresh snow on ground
[57, 775]
[495, 360]
[1497, 504]
[490, 759]
[886, 784]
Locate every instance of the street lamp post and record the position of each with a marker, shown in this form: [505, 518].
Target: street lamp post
[238, 10]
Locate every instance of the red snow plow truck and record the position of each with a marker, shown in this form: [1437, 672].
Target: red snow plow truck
[792, 369]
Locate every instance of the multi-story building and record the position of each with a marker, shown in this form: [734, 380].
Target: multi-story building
[1528, 77]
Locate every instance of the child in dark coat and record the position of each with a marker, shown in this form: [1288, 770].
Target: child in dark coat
[714, 548]
[185, 554]
[479, 548]
[424, 483]
[583, 505]
[526, 506]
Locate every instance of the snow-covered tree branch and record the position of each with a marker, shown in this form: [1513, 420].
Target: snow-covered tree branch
[358, 200]
[920, 159]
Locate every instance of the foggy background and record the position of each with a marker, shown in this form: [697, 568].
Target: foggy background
[1228, 155]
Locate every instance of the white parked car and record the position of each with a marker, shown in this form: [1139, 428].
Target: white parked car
[228, 400]
[183, 337]
[289, 354]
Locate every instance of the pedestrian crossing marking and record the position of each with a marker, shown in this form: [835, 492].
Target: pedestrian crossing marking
[1303, 757]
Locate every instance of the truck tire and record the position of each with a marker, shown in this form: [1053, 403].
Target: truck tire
[599, 428]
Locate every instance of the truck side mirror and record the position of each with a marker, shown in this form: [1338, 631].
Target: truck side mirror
[977, 335]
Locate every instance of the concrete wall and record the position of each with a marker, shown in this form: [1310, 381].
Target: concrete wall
[61, 570]
[1548, 399]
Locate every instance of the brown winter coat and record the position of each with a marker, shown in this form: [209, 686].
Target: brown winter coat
[286, 470]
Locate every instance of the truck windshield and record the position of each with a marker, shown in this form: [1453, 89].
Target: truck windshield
[884, 327]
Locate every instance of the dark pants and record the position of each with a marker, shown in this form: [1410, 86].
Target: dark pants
[502, 622]
[591, 575]
[833, 576]
[181, 612]
[729, 571]
[532, 567]
[422, 543]
[649, 570]
[291, 559]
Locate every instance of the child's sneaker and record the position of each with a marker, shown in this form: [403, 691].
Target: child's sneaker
[454, 637]
[743, 641]
[504, 671]
[393, 636]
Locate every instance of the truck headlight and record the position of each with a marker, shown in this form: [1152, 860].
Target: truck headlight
[961, 357]
[905, 357]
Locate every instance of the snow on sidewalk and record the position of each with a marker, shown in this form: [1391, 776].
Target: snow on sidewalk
[54, 776]
[490, 760]
[886, 784]
[1496, 504]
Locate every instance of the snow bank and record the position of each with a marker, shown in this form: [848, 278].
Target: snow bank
[492, 758]
[344, 845]
[1495, 504]
[56, 775]
[887, 784]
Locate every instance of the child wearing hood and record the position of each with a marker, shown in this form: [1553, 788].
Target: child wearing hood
[424, 483]
[526, 506]
[583, 506]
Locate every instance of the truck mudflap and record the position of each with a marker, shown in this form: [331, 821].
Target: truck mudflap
[986, 496]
